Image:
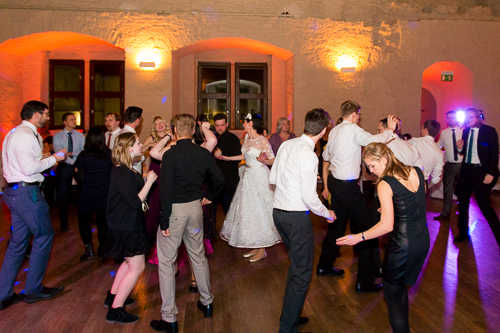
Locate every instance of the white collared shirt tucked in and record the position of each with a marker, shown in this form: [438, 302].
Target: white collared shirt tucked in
[61, 141]
[474, 157]
[343, 150]
[431, 155]
[113, 134]
[294, 173]
[446, 141]
[405, 152]
[22, 155]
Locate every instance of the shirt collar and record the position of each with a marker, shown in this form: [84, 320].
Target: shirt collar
[118, 129]
[30, 125]
[183, 141]
[130, 129]
[307, 139]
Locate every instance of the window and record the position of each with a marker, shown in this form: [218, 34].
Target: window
[250, 91]
[66, 91]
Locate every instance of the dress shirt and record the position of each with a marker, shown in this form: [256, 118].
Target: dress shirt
[22, 155]
[431, 155]
[294, 173]
[474, 156]
[446, 141]
[61, 141]
[405, 152]
[113, 134]
[183, 171]
[343, 150]
[136, 165]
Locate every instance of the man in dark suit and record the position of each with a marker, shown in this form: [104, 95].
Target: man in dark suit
[479, 172]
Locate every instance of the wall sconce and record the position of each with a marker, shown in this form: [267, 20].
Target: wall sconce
[148, 64]
[346, 64]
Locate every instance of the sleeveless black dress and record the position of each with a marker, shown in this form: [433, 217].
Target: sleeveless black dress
[408, 245]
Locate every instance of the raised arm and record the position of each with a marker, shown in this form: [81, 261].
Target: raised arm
[211, 140]
[160, 148]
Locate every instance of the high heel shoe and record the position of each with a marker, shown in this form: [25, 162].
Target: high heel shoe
[250, 254]
[258, 258]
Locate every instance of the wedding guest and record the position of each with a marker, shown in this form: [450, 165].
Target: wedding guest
[133, 118]
[249, 221]
[93, 168]
[112, 123]
[184, 168]
[22, 164]
[401, 190]
[127, 237]
[281, 135]
[73, 141]
[294, 174]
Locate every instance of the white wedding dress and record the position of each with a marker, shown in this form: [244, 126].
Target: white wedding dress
[249, 221]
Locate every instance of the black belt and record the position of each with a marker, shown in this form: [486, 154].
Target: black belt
[24, 184]
[473, 165]
[344, 181]
[290, 211]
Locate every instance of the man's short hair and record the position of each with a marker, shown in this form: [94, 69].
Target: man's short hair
[348, 107]
[32, 107]
[117, 116]
[451, 112]
[184, 125]
[66, 115]
[220, 116]
[385, 124]
[316, 121]
[433, 127]
[132, 114]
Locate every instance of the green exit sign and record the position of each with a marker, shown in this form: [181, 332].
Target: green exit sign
[446, 76]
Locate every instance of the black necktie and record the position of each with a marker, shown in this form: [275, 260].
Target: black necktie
[70, 142]
[471, 142]
[455, 149]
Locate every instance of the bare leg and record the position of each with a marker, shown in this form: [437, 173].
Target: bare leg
[122, 271]
[136, 266]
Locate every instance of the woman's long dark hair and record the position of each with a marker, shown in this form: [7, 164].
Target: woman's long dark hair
[198, 136]
[95, 142]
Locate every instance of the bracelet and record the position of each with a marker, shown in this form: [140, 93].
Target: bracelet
[363, 235]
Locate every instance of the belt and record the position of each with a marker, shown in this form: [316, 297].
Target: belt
[290, 211]
[24, 184]
[473, 165]
[345, 181]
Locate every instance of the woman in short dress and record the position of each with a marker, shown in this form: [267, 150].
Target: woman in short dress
[127, 236]
[249, 221]
[401, 190]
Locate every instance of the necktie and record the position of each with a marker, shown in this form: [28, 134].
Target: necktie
[109, 140]
[455, 149]
[70, 142]
[469, 150]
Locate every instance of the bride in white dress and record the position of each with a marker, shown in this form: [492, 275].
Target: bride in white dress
[249, 221]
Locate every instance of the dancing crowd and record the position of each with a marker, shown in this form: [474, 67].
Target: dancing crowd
[168, 216]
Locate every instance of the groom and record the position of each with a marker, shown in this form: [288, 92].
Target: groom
[294, 174]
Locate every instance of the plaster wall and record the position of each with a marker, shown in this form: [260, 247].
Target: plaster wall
[11, 89]
[392, 54]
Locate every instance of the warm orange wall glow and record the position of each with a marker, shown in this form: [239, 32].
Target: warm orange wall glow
[345, 61]
[26, 45]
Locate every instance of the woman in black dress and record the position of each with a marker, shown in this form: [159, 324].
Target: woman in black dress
[127, 235]
[93, 168]
[401, 190]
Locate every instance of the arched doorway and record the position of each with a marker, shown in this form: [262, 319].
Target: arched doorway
[453, 92]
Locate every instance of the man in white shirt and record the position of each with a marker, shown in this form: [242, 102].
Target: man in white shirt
[403, 151]
[344, 154]
[112, 123]
[453, 160]
[294, 174]
[22, 164]
[73, 141]
[430, 153]
[133, 117]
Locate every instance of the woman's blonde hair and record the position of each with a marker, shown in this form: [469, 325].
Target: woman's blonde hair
[376, 150]
[280, 122]
[121, 153]
[154, 133]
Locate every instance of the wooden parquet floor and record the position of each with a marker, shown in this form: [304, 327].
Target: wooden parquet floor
[458, 290]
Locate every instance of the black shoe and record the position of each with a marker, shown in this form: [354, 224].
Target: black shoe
[164, 326]
[120, 316]
[302, 320]
[329, 271]
[441, 217]
[208, 310]
[45, 294]
[193, 287]
[461, 238]
[361, 288]
[14, 299]
[89, 252]
[111, 298]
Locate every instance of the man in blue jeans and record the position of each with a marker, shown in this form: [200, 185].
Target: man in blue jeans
[23, 162]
